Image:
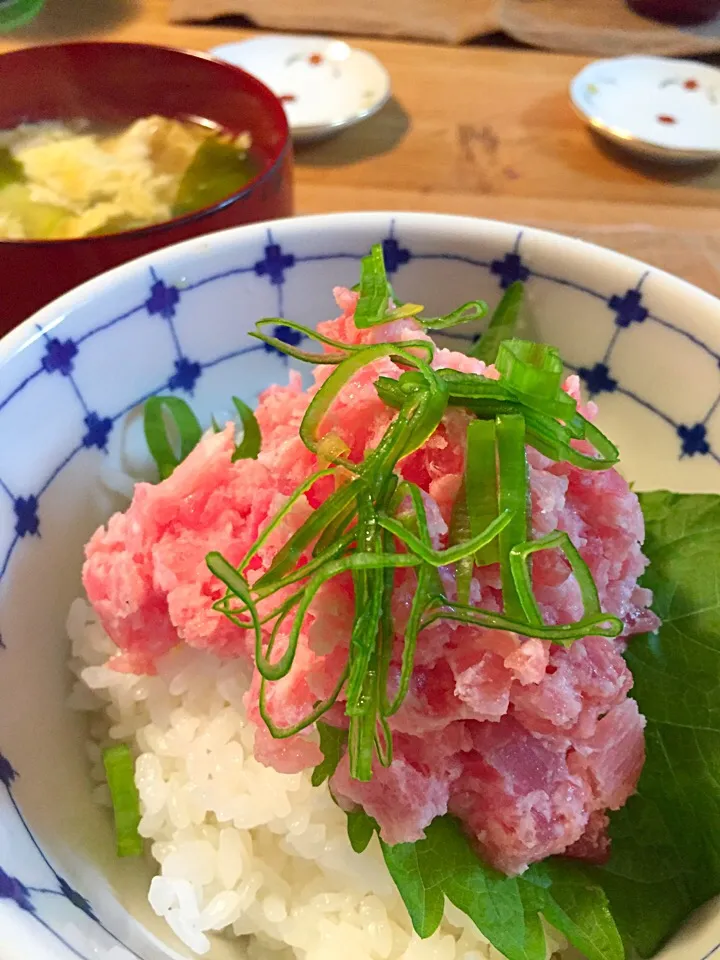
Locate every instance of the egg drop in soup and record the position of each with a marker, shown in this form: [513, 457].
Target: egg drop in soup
[64, 180]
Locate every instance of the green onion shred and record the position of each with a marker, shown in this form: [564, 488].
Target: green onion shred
[157, 412]
[120, 772]
[374, 528]
[502, 324]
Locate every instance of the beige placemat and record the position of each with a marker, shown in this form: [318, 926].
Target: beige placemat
[595, 27]
[448, 21]
[601, 28]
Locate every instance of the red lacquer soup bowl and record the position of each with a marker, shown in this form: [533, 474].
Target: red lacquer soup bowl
[117, 83]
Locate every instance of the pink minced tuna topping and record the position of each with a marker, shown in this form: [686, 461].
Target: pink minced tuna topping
[528, 743]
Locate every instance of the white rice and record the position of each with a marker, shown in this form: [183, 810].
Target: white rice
[243, 850]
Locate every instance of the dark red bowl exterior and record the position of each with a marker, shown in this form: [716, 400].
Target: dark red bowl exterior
[681, 12]
[118, 83]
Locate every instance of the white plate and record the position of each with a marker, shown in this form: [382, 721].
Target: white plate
[655, 106]
[324, 84]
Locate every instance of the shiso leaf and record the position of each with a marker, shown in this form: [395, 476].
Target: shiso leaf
[505, 909]
[332, 743]
[360, 828]
[665, 858]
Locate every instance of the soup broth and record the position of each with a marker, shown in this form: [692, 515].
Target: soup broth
[71, 179]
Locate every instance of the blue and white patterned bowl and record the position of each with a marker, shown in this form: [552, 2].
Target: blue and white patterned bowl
[646, 343]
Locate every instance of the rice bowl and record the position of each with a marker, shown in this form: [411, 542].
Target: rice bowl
[136, 706]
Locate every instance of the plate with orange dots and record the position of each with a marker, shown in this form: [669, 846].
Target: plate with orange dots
[655, 106]
[325, 85]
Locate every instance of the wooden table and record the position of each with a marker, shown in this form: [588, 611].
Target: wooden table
[477, 130]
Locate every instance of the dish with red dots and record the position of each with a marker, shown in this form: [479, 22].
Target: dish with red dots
[655, 106]
[325, 85]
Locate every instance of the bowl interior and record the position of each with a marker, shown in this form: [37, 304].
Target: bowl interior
[178, 320]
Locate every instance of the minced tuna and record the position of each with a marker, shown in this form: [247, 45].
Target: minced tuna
[528, 743]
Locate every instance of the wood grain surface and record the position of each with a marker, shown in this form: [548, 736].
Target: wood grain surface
[477, 130]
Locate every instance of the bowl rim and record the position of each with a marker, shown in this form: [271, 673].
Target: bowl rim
[268, 171]
[53, 313]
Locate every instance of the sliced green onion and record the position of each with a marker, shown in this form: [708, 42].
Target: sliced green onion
[513, 500]
[543, 432]
[475, 387]
[282, 513]
[389, 391]
[403, 311]
[428, 584]
[249, 446]
[355, 562]
[386, 634]
[234, 581]
[275, 671]
[608, 453]
[481, 487]
[304, 356]
[120, 772]
[560, 406]
[361, 742]
[288, 555]
[324, 398]
[375, 290]
[361, 695]
[356, 529]
[420, 417]
[490, 398]
[533, 369]
[564, 634]
[363, 714]
[334, 530]
[319, 710]
[473, 310]
[340, 349]
[441, 558]
[235, 613]
[337, 345]
[383, 742]
[331, 552]
[156, 431]
[502, 325]
[523, 582]
[460, 533]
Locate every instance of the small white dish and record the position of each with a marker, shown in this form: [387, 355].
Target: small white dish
[325, 85]
[654, 106]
